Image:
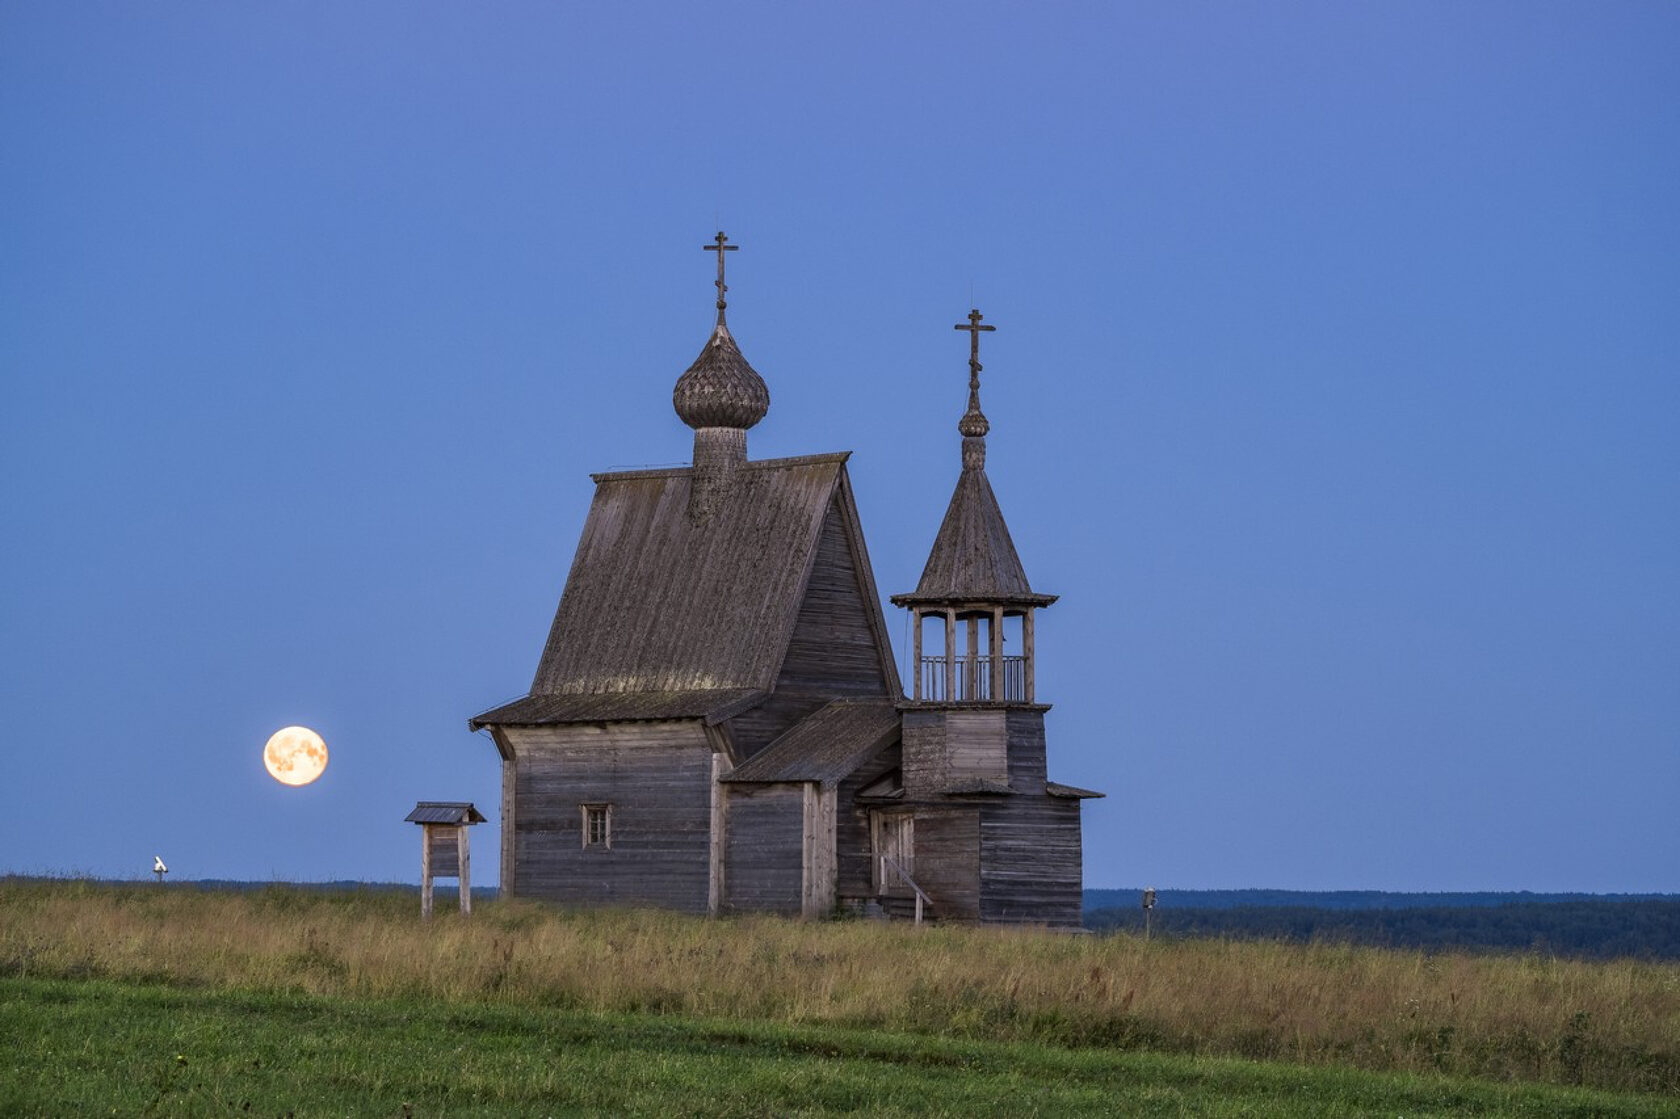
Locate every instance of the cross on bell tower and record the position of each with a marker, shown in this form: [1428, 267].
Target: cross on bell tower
[974, 581]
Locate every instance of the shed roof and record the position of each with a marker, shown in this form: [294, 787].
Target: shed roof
[1072, 792]
[978, 786]
[826, 746]
[973, 558]
[713, 705]
[445, 812]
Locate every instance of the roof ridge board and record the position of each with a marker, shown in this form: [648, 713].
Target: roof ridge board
[750, 464]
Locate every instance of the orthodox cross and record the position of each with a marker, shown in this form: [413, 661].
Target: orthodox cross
[720, 246]
[974, 328]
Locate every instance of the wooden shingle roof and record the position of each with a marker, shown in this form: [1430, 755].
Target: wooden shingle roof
[667, 617]
[826, 746]
[973, 558]
[445, 812]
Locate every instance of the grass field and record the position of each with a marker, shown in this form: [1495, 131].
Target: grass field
[185, 1001]
[95, 1047]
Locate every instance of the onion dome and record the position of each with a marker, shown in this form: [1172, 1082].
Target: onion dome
[720, 389]
[974, 424]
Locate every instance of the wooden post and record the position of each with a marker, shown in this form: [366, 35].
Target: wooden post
[916, 661]
[808, 871]
[465, 877]
[510, 824]
[720, 824]
[1027, 649]
[950, 656]
[997, 655]
[425, 872]
[971, 669]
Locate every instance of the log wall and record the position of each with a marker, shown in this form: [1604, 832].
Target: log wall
[924, 753]
[977, 745]
[657, 778]
[1030, 844]
[947, 860]
[764, 848]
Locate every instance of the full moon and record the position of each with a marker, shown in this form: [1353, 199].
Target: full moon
[295, 756]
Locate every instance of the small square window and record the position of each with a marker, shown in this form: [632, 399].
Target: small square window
[597, 825]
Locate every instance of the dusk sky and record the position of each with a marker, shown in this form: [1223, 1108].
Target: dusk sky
[1335, 389]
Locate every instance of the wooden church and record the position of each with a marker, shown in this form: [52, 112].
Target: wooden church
[717, 723]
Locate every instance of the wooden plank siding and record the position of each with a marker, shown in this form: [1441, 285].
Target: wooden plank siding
[657, 777]
[445, 860]
[1030, 861]
[833, 653]
[924, 752]
[977, 745]
[947, 859]
[764, 850]
[1030, 843]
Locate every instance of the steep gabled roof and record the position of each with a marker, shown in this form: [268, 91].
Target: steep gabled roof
[680, 618]
[973, 557]
[826, 746]
[445, 812]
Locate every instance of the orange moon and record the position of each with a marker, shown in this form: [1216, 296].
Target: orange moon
[295, 756]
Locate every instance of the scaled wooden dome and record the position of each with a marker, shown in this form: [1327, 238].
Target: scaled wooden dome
[720, 389]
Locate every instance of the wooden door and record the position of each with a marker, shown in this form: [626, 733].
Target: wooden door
[892, 835]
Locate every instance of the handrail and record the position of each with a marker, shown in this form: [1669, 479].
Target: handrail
[921, 896]
[971, 679]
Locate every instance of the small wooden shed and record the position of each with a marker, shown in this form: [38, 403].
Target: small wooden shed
[443, 846]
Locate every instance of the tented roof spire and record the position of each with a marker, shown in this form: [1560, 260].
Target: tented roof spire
[973, 559]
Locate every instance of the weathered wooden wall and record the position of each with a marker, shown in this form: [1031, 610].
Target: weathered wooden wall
[924, 753]
[1030, 859]
[764, 850]
[1030, 843]
[833, 653]
[977, 745]
[657, 777]
[948, 859]
[445, 853]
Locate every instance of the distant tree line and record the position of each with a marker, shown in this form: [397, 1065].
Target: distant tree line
[1646, 929]
[1341, 899]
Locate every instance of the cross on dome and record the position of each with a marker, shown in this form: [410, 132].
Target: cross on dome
[720, 246]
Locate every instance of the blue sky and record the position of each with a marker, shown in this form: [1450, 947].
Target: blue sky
[1334, 390]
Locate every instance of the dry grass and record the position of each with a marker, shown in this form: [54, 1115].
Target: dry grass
[1613, 1025]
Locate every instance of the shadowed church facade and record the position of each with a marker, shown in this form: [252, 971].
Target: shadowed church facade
[717, 723]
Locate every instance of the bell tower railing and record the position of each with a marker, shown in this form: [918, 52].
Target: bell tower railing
[974, 680]
[974, 670]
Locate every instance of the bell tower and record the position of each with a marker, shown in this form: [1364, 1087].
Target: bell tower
[974, 720]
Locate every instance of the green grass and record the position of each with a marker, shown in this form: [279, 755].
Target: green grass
[99, 1047]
